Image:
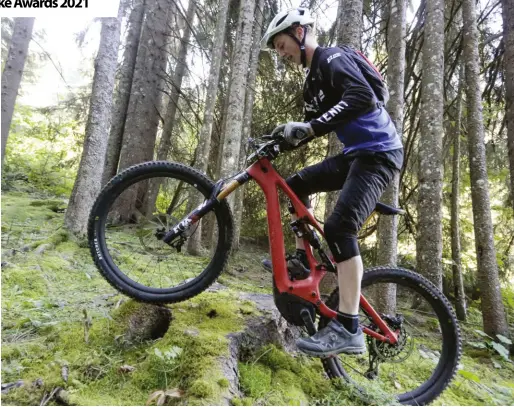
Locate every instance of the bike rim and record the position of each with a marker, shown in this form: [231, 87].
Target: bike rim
[136, 212]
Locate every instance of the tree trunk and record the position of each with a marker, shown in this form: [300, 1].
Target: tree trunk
[171, 110]
[247, 120]
[460, 297]
[89, 175]
[143, 114]
[121, 103]
[388, 225]
[349, 15]
[13, 71]
[492, 307]
[176, 85]
[508, 63]
[205, 136]
[429, 243]
[238, 80]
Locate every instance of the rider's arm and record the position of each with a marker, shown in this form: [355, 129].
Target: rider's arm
[342, 75]
[310, 115]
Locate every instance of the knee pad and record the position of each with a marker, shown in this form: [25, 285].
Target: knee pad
[342, 239]
[300, 188]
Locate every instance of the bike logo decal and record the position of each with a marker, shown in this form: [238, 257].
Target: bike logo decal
[98, 252]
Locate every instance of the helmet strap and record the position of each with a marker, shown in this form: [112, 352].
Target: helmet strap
[301, 44]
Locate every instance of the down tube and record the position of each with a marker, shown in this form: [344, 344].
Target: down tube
[264, 174]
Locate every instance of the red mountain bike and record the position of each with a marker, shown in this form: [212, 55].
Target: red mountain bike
[161, 232]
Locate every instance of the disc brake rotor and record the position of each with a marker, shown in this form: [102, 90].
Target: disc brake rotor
[390, 353]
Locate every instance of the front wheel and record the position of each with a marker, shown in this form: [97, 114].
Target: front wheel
[134, 212]
[421, 365]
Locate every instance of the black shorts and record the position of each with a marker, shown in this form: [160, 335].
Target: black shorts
[362, 177]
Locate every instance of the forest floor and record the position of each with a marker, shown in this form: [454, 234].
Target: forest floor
[51, 288]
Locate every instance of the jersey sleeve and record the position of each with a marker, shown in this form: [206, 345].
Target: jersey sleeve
[341, 75]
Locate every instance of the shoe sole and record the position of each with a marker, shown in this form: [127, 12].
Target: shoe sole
[335, 352]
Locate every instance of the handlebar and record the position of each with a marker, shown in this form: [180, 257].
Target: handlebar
[275, 133]
[277, 142]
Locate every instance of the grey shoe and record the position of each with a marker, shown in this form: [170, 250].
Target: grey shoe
[332, 340]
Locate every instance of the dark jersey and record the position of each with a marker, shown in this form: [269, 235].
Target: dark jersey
[339, 98]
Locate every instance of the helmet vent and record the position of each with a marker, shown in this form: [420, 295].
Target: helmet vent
[279, 21]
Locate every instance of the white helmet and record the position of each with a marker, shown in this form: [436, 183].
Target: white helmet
[284, 20]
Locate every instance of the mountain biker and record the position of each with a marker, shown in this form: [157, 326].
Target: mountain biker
[343, 93]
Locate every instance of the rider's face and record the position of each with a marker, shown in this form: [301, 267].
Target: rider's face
[287, 48]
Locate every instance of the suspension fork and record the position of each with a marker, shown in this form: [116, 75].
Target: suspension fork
[220, 192]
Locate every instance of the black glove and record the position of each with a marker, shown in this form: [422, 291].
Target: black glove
[295, 132]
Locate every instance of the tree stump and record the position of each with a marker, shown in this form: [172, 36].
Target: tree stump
[269, 328]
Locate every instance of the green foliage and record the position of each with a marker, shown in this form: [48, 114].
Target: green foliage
[44, 149]
[489, 343]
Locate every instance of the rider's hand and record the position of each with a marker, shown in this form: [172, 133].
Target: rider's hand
[295, 132]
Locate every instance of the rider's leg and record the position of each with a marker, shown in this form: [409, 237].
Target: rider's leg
[315, 178]
[366, 180]
[349, 274]
[365, 183]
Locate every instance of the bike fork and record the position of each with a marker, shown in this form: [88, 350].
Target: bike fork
[187, 223]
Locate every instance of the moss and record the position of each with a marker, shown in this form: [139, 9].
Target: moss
[255, 379]
[51, 203]
[292, 393]
[290, 396]
[223, 383]
[478, 353]
[26, 281]
[278, 359]
[245, 401]
[201, 388]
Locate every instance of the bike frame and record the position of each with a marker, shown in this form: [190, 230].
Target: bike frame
[263, 172]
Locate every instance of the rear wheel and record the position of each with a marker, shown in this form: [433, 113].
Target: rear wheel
[131, 216]
[418, 369]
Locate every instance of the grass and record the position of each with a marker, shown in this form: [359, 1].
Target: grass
[48, 280]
